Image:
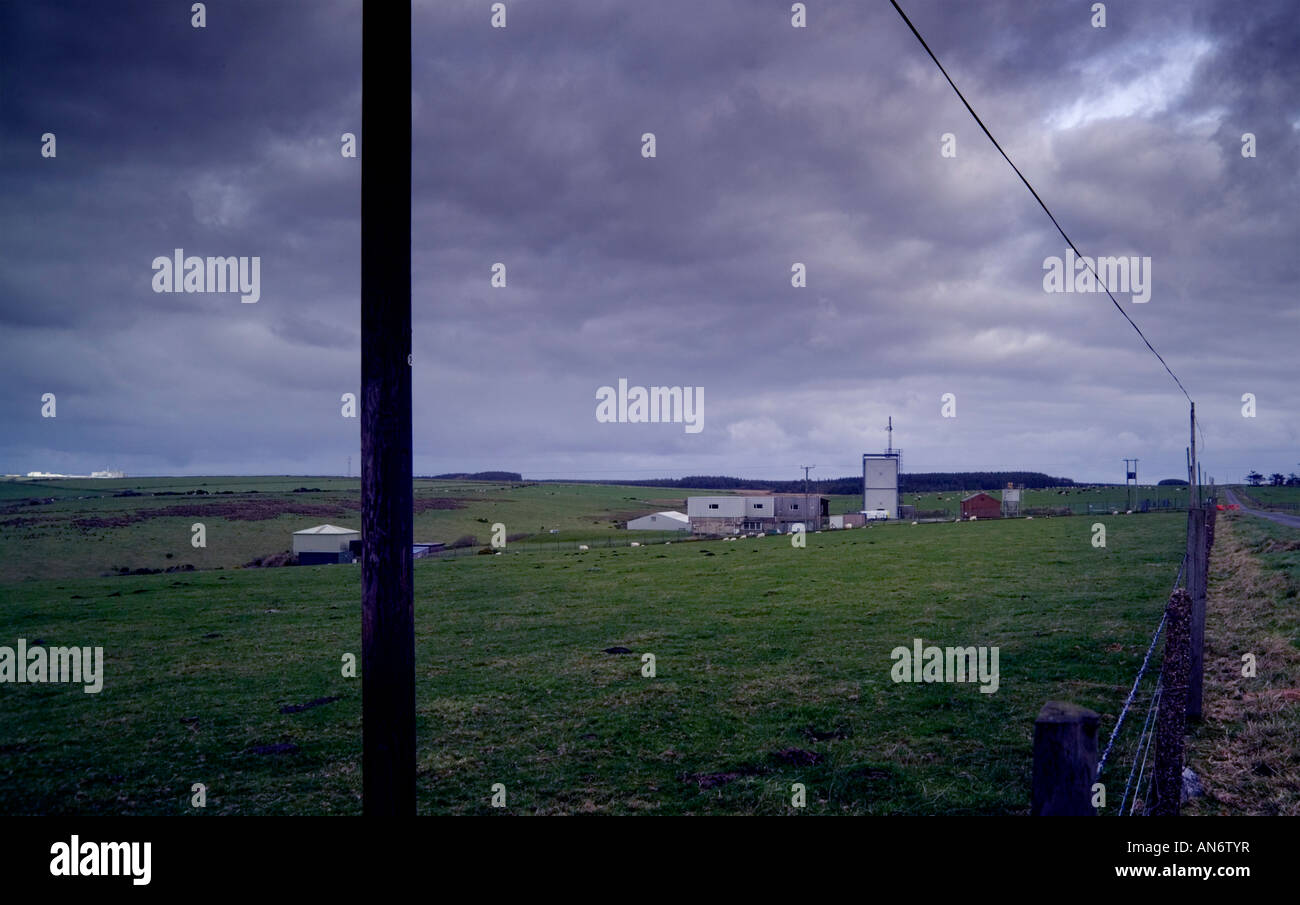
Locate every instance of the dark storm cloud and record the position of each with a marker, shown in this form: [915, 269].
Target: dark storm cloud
[775, 145]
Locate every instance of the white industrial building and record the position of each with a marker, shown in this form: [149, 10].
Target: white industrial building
[880, 483]
[661, 521]
[324, 544]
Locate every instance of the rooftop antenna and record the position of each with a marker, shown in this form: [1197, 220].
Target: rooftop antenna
[890, 448]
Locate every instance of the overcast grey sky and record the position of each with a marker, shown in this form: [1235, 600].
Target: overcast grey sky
[774, 145]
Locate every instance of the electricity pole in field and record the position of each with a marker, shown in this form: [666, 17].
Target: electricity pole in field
[806, 469]
[387, 598]
[1130, 479]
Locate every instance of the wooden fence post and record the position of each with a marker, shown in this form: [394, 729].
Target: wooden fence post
[1065, 761]
[1171, 720]
[1197, 569]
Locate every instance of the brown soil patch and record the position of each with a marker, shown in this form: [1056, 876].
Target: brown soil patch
[243, 511]
[721, 778]
[796, 757]
[24, 522]
[424, 504]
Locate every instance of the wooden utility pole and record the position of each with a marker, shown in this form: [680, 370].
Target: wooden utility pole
[387, 600]
[809, 526]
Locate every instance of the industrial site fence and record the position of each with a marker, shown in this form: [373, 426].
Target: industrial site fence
[1039, 509]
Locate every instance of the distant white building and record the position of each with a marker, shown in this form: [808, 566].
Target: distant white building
[661, 521]
[324, 544]
[93, 474]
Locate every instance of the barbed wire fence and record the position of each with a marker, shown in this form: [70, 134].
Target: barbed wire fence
[1142, 747]
[1068, 776]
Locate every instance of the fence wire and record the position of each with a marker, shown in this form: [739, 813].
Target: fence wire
[1143, 742]
[1143, 749]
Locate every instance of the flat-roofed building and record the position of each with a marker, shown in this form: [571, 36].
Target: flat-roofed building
[772, 512]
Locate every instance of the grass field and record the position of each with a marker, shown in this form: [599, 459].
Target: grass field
[1248, 750]
[82, 528]
[773, 667]
[1080, 500]
[1282, 497]
[88, 531]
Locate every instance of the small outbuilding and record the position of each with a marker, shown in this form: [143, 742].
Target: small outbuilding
[661, 521]
[981, 505]
[324, 544]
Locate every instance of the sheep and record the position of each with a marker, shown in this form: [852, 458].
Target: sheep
[582, 547]
[634, 544]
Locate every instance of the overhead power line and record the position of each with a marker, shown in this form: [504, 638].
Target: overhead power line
[1042, 204]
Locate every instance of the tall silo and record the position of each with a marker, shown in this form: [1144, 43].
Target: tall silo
[1011, 501]
[880, 482]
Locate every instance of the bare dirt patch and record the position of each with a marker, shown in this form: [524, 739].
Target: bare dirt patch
[21, 522]
[243, 511]
[299, 708]
[426, 503]
[721, 777]
[253, 510]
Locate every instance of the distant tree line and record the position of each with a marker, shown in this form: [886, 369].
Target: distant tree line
[1276, 479]
[942, 481]
[478, 476]
[924, 482]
